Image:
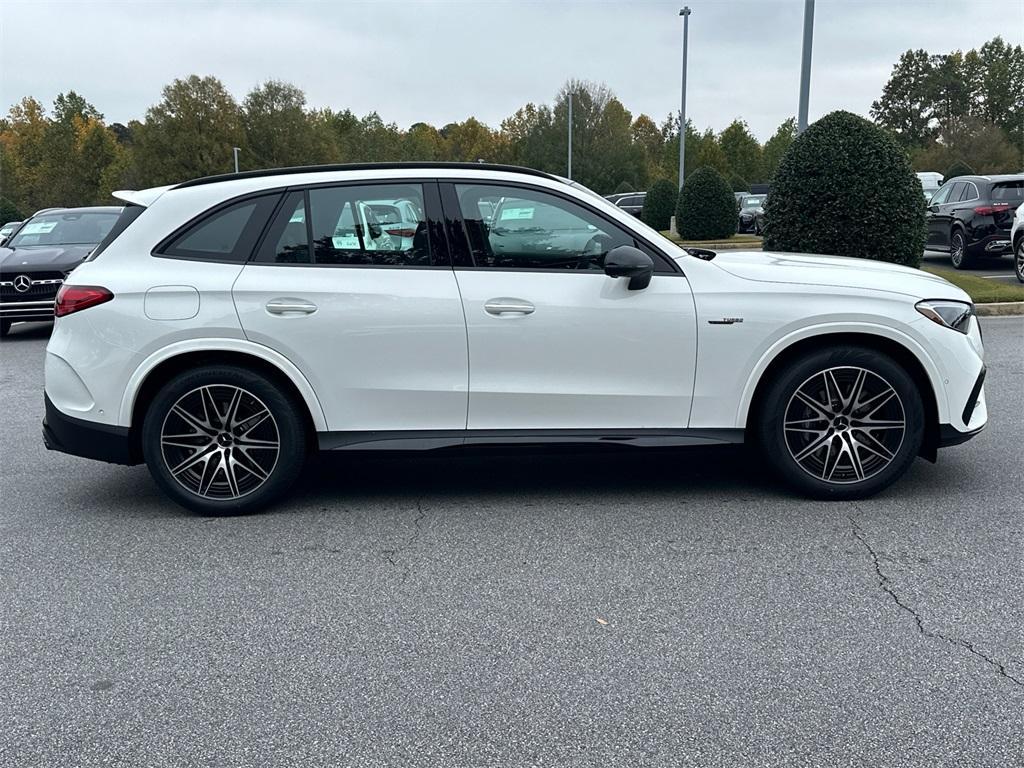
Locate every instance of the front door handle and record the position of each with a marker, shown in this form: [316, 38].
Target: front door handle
[290, 306]
[499, 307]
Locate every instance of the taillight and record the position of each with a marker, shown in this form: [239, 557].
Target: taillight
[988, 210]
[401, 232]
[72, 298]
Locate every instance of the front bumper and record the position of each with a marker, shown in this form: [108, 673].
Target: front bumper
[87, 439]
[26, 310]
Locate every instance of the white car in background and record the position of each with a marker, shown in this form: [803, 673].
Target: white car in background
[237, 324]
[930, 183]
[1017, 238]
[400, 220]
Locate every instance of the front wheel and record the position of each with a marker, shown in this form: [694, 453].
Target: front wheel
[1018, 260]
[841, 423]
[222, 440]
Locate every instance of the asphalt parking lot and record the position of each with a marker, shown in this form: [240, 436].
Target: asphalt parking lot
[998, 269]
[618, 608]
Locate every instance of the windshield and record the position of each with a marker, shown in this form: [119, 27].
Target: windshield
[72, 228]
[753, 201]
[529, 215]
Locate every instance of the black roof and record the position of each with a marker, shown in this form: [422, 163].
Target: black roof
[362, 167]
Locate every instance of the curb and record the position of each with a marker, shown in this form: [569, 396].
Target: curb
[1002, 309]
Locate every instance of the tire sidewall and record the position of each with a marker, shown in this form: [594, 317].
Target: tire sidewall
[1018, 260]
[772, 416]
[963, 250]
[290, 427]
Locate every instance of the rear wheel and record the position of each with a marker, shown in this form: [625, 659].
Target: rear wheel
[842, 423]
[221, 440]
[1018, 260]
[958, 251]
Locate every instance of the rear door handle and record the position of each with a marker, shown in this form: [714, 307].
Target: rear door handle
[290, 306]
[504, 306]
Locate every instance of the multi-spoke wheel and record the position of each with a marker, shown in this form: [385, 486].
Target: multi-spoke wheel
[958, 251]
[842, 423]
[223, 440]
[1018, 260]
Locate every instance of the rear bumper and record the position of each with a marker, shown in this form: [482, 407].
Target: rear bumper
[992, 245]
[87, 439]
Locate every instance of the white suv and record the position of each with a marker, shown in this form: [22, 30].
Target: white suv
[230, 326]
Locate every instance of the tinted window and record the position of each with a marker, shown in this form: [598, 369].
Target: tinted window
[941, 195]
[368, 225]
[1008, 192]
[71, 228]
[956, 190]
[534, 230]
[969, 192]
[228, 234]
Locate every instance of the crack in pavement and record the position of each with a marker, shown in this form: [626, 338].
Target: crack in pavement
[884, 582]
[391, 555]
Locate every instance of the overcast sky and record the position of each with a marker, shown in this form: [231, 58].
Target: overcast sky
[444, 61]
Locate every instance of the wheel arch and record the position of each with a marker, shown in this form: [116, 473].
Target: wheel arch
[776, 360]
[159, 368]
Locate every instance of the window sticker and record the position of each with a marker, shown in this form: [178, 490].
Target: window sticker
[39, 227]
[515, 214]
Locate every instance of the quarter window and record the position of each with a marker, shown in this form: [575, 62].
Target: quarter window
[370, 225]
[229, 234]
[529, 229]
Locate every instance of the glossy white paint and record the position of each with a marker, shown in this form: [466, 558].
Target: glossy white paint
[384, 348]
[397, 349]
[590, 354]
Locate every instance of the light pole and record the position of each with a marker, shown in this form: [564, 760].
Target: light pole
[805, 66]
[569, 172]
[235, 151]
[685, 13]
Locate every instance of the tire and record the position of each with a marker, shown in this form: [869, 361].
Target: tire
[958, 251]
[5, 327]
[1018, 260]
[851, 460]
[214, 470]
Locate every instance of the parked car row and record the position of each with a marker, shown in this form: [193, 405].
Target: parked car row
[970, 217]
[631, 202]
[40, 252]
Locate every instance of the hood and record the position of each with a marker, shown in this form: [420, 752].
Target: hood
[44, 258]
[836, 272]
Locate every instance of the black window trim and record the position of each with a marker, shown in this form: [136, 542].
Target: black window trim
[159, 250]
[431, 204]
[456, 230]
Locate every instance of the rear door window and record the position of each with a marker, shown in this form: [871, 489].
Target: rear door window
[227, 234]
[1008, 192]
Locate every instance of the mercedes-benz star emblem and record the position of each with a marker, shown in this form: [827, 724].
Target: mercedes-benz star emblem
[22, 283]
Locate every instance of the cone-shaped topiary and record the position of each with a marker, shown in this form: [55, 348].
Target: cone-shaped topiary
[659, 204]
[707, 207]
[738, 183]
[958, 168]
[846, 188]
[624, 186]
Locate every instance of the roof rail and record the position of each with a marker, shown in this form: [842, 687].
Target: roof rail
[361, 167]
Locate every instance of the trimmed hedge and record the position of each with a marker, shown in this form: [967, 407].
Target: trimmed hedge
[846, 188]
[707, 207]
[659, 204]
[958, 168]
[738, 183]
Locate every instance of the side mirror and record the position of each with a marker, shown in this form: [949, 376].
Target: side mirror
[627, 261]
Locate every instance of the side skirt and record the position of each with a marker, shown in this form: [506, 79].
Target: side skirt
[430, 439]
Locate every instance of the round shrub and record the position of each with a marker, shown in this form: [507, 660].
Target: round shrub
[659, 204]
[846, 188]
[958, 168]
[738, 183]
[707, 207]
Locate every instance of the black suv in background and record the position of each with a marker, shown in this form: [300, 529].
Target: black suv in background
[37, 258]
[970, 216]
[632, 203]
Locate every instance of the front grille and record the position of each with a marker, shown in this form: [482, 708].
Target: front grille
[37, 291]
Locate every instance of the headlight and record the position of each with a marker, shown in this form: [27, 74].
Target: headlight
[951, 314]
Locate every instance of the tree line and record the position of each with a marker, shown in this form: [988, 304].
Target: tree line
[962, 110]
[70, 156]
